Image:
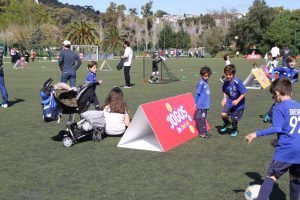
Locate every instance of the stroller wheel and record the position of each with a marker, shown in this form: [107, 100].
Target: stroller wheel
[67, 141]
[97, 136]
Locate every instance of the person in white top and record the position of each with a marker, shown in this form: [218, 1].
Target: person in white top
[115, 112]
[275, 51]
[127, 57]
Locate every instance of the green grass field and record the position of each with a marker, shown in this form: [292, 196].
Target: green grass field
[36, 166]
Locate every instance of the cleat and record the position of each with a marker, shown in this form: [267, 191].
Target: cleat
[225, 127]
[234, 133]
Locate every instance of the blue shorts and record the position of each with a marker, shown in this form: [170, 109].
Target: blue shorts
[278, 168]
[235, 114]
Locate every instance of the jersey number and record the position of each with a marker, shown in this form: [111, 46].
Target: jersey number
[293, 123]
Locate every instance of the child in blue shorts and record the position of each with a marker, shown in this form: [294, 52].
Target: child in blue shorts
[233, 102]
[286, 123]
[202, 101]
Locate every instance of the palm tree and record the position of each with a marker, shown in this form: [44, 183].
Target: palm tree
[113, 40]
[81, 32]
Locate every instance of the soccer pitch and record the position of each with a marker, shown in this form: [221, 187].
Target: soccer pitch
[35, 165]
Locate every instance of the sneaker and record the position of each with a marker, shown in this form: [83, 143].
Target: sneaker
[234, 133]
[4, 105]
[125, 86]
[202, 135]
[225, 127]
[150, 81]
[267, 118]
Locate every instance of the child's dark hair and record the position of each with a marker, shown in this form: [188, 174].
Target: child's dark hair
[127, 43]
[281, 85]
[254, 65]
[205, 70]
[230, 68]
[91, 64]
[290, 59]
[225, 57]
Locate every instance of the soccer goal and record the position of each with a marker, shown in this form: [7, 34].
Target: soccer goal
[86, 52]
[165, 74]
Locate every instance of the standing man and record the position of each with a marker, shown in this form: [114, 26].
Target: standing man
[275, 52]
[68, 62]
[2, 84]
[127, 57]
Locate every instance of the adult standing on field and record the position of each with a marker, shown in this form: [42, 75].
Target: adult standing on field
[2, 84]
[69, 62]
[127, 57]
[275, 51]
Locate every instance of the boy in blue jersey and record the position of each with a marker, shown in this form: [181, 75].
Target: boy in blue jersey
[92, 78]
[202, 101]
[286, 123]
[288, 71]
[233, 102]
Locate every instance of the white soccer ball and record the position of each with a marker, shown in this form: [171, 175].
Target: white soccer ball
[252, 191]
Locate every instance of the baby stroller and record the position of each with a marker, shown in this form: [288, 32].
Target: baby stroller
[92, 122]
[74, 101]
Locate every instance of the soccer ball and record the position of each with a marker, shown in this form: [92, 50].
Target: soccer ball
[251, 192]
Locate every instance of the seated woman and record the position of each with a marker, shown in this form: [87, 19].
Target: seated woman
[115, 112]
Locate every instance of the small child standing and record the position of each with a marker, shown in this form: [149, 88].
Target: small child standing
[202, 102]
[92, 78]
[286, 113]
[233, 102]
[155, 60]
[226, 62]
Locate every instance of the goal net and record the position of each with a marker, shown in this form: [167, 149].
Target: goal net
[165, 75]
[86, 52]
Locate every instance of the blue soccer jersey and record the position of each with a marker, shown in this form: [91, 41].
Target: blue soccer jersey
[286, 123]
[287, 72]
[202, 95]
[234, 90]
[91, 78]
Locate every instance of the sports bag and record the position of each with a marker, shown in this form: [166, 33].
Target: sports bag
[50, 110]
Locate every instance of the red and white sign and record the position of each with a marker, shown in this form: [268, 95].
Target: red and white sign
[162, 125]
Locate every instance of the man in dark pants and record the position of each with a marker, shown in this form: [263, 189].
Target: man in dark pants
[68, 62]
[127, 57]
[2, 84]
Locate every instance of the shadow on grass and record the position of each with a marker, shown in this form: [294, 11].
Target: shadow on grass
[226, 133]
[277, 193]
[17, 100]
[59, 137]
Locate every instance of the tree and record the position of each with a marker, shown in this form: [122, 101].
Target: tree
[132, 11]
[160, 13]
[283, 30]
[36, 39]
[182, 39]
[82, 33]
[113, 40]
[24, 13]
[166, 38]
[146, 9]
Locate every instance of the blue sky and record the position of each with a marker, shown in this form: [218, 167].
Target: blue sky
[185, 6]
